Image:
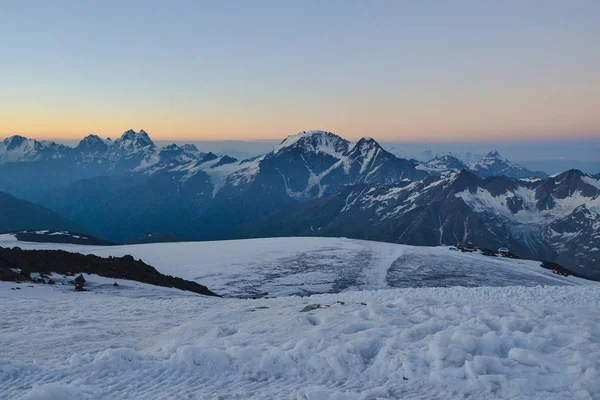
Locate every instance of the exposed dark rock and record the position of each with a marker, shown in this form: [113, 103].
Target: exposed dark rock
[209, 157]
[559, 269]
[65, 263]
[224, 160]
[310, 307]
[80, 280]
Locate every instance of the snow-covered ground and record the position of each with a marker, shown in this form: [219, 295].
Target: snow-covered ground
[140, 342]
[135, 341]
[304, 266]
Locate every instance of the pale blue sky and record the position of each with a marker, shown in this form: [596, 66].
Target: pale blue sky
[394, 70]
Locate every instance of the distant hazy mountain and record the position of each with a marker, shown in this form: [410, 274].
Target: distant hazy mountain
[493, 164]
[18, 215]
[445, 163]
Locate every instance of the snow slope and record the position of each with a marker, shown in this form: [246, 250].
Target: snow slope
[304, 266]
[138, 342]
[135, 341]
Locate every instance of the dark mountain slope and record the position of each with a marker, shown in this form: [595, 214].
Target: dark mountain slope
[18, 215]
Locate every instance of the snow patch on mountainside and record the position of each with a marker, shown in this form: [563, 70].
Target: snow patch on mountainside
[231, 174]
[482, 201]
[591, 181]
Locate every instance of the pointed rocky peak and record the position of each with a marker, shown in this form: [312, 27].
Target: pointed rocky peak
[171, 147]
[192, 151]
[493, 164]
[132, 145]
[140, 137]
[367, 143]
[92, 144]
[564, 185]
[18, 148]
[569, 175]
[21, 143]
[190, 148]
[464, 180]
[128, 134]
[131, 136]
[316, 141]
[91, 138]
[170, 152]
[368, 154]
[493, 158]
[21, 149]
[144, 136]
[14, 141]
[224, 161]
[209, 157]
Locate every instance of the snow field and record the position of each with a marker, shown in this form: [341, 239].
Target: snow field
[446, 343]
[312, 265]
[136, 341]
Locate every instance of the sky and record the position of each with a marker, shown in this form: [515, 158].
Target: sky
[404, 71]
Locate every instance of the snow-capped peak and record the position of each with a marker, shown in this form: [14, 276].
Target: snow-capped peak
[315, 141]
[173, 152]
[367, 143]
[141, 137]
[493, 164]
[92, 145]
[445, 162]
[19, 148]
[92, 138]
[493, 157]
[15, 147]
[132, 144]
[190, 148]
[492, 160]
[14, 141]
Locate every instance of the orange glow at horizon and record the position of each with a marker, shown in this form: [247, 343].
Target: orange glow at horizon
[418, 127]
[534, 111]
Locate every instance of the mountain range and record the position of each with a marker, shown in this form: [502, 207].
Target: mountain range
[312, 183]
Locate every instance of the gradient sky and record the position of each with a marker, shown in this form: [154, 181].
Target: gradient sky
[393, 70]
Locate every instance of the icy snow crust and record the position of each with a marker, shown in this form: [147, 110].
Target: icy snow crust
[135, 341]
